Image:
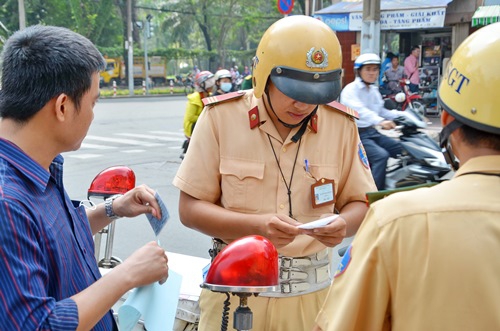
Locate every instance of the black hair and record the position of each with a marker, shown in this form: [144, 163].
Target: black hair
[41, 62]
[478, 138]
[390, 55]
[414, 48]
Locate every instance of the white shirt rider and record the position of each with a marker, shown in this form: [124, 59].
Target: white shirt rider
[367, 101]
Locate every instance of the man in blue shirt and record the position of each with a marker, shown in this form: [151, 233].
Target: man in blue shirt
[365, 97]
[49, 279]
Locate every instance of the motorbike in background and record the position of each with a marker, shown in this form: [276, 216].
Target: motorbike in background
[422, 160]
[404, 99]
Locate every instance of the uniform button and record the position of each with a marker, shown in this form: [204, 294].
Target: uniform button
[282, 206]
[284, 149]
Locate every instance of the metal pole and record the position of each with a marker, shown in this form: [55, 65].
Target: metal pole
[22, 14]
[146, 71]
[370, 29]
[130, 64]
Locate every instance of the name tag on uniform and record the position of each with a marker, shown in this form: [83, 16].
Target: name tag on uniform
[323, 192]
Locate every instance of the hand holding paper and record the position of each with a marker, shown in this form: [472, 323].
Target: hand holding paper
[322, 222]
[158, 224]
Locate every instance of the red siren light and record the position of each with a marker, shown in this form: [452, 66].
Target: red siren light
[111, 181]
[247, 265]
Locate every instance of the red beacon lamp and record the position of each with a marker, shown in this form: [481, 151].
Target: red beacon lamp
[108, 183]
[248, 266]
[112, 181]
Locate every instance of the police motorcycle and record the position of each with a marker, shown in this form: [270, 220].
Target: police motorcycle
[252, 256]
[422, 160]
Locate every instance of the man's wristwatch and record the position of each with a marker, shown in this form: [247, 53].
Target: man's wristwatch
[108, 205]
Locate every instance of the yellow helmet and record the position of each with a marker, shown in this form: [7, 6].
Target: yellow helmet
[302, 56]
[469, 87]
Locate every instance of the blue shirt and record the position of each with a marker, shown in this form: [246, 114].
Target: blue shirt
[367, 101]
[46, 247]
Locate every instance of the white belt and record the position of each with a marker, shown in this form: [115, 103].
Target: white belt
[302, 275]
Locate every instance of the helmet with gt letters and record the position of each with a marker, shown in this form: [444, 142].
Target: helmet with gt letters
[302, 57]
[469, 87]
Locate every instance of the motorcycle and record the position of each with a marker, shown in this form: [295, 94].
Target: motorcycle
[237, 82]
[422, 160]
[404, 99]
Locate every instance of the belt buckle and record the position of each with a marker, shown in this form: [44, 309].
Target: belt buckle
[217, 246]
[286, 262]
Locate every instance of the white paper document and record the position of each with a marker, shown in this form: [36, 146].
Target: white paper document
[318, 223]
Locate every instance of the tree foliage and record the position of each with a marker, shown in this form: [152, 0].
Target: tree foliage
[210, 33]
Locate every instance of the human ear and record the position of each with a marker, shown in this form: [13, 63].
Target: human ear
[61, 106]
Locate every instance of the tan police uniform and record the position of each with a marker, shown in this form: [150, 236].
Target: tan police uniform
[231, 163]
[425, 259]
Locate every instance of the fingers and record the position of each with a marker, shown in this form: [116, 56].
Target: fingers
[143, 201]
[163, 264]
[330, 235]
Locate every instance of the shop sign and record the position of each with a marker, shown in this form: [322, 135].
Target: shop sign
[337, 22]
[355, 51]
[403, 19]
[389, 20]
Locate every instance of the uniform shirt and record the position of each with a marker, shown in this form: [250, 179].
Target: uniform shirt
[194, 107]
[367, 101]
[425, 259]
[46, 247]
[232, 165]
[411, 69]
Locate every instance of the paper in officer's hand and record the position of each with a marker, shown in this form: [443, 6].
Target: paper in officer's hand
[318, 223]
[158, 224]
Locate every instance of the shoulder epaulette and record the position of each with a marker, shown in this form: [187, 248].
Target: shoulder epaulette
[343, 108]
[221, 98]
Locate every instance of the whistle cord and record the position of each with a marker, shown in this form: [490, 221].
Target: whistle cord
[287, 185]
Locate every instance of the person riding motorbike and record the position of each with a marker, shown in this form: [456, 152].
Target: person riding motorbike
[363, 96]
[223, 82]
[203, 83]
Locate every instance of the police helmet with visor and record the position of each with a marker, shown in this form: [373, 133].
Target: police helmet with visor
[302, 57]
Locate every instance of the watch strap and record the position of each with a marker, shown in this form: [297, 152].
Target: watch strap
[108, 206]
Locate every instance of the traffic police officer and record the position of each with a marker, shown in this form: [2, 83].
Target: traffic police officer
[428, 259]
[264, 161]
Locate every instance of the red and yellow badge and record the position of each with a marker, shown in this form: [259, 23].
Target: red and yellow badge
[317, 58]
[362, 155]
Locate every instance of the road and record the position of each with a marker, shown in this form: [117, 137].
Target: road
[144, 134]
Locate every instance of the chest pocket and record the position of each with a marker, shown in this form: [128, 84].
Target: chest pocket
[242, 184]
